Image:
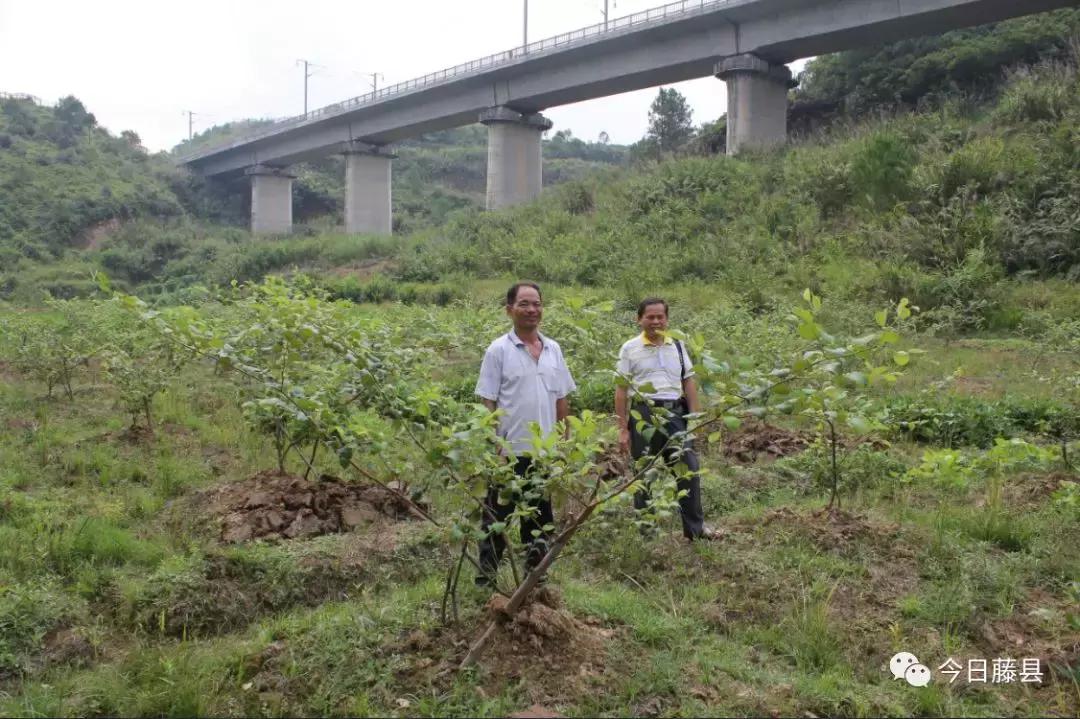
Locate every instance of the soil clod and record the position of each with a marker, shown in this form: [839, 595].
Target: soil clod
[757, 440]
[272, 505]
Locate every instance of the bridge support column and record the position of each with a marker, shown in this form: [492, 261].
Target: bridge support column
[367, 190]
[757, 102]
[515, 169]
[271, 200]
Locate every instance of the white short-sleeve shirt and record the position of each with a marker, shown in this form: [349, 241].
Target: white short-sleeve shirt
[523, 388]
[643, 363]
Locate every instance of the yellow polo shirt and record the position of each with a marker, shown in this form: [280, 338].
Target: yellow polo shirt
[643, 363]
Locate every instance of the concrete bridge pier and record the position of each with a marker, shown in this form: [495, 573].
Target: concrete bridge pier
[367, 190]
[757, 102]
[515, 168]
[271, 200]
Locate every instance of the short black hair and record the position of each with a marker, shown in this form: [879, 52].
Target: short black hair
[651, 301]
[512, 293]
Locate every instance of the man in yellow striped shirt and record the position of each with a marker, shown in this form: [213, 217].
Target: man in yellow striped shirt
[655, 362]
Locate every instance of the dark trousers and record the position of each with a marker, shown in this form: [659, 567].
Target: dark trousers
[693, 518]
[493, 546]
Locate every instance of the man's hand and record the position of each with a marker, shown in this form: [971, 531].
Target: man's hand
[624, 440]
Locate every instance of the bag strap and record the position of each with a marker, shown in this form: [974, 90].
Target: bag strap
[682, 363]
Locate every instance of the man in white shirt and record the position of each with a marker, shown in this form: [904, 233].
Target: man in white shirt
[656, 360]
[523, 374]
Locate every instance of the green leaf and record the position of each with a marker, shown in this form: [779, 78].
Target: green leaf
[881, 317]
[807, 294]
[901, 358]
[859, 424]
[857, 378]
[890, 337]
[732, 423]
[102, 280]
[902, 309]
[714, 437]
[809, 331]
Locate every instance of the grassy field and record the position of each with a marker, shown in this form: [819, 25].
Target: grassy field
[118, 594]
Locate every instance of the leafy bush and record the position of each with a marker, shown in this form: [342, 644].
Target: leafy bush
[911, 70]
[1044, 94]
[948, 420]
[882, 170]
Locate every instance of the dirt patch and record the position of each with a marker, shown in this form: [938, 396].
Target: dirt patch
[536, 711]
[546, 645]
[1035, 629]
[975, 386]
[361, 270]
[1030, 490]
[838, 530]
[759, 441]
[544, 649]
[67, 646]
[92, 238]
[136, 434]
[17, 424]
[8, 373]
[271, 505]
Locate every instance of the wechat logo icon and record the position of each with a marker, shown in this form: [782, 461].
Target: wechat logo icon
[905, 665]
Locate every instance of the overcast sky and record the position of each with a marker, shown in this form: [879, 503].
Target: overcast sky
[140, 65]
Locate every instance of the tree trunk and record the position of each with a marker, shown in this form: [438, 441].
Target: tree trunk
[517, 599]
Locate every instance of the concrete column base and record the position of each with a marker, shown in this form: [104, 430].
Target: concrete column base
[271, 200]
[757, 102]
[367, 191]
[515, 168]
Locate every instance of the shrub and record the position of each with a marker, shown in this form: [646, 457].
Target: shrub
[882, 169]
[1043, 94]
[948, 420]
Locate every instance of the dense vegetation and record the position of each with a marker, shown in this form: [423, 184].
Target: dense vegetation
[915, 70]
[74, 198]
[261, 498]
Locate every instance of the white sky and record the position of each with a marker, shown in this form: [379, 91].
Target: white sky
[140, 65]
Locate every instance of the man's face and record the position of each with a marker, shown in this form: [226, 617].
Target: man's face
[654, 320]
[527, 309]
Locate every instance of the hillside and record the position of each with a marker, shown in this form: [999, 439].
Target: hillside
[264, 498]
[912, 71]
[73, 197]
[61, 175]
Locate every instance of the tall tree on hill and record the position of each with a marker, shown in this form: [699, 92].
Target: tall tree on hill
[670, 126]
[670, 120]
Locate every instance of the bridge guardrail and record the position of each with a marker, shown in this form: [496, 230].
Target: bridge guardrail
[657, 15]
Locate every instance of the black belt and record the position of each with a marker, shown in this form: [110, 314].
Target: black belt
[665, 403]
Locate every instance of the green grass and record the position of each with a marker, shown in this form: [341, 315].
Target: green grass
[793, 612]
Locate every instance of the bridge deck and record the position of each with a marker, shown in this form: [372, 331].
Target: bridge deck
[671, 43]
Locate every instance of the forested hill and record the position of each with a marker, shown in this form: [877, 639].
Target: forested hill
[74, 198]
[62, 176]
[972, 60]
[68, 186]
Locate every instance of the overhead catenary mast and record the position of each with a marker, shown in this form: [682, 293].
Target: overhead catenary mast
[190, 123]
[307, 73]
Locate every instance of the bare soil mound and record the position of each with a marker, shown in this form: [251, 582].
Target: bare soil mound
[757, 440]
[545, 644]
[837, 529]
[1032, 490]
[271, 505]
